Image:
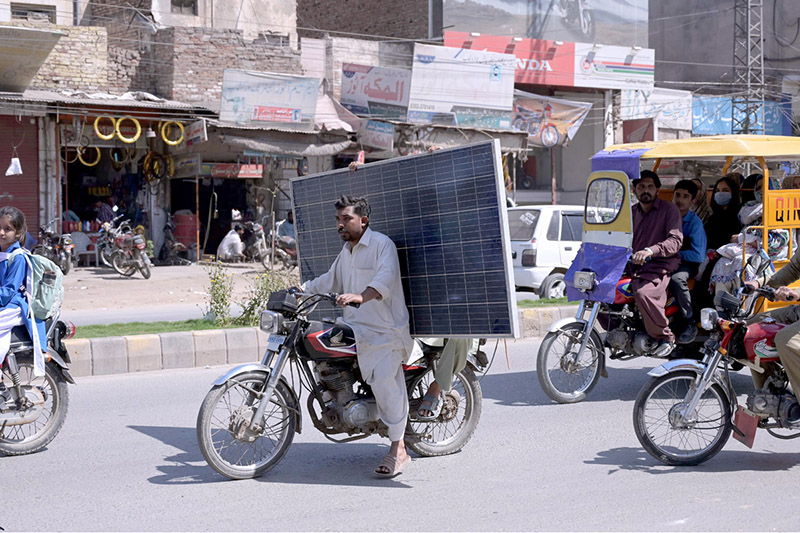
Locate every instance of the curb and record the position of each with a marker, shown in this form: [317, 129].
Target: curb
[188, 349]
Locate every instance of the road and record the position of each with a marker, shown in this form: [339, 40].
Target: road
[127, 459]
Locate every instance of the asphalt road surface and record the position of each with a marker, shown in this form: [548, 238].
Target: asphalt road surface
[127, 459]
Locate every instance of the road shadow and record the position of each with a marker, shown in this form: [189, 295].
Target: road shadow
[304, 463]
[726, 461]
[622, 384]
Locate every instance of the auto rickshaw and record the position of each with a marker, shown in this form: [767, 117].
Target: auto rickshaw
[572, 356]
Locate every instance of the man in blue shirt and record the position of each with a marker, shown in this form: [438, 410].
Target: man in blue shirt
[692, 254]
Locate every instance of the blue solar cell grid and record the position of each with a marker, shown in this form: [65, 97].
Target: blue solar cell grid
[444, 214]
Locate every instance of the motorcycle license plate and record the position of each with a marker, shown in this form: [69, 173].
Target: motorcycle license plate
[275, 341]
[747, 424]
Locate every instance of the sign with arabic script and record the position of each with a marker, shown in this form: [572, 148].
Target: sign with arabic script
[377, 92]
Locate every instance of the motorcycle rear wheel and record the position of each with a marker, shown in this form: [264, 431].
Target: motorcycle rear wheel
[120, 265]
[561, 379]
[30, 438]
[457, 422]
[225, 409]
[663, 438]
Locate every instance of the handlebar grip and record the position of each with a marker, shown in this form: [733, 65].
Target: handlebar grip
[354, 304]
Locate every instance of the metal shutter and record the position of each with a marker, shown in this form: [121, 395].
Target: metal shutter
[21, 191]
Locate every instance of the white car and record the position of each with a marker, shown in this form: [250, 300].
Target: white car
[544, 241]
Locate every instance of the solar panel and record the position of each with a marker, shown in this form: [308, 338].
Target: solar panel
[446, 214]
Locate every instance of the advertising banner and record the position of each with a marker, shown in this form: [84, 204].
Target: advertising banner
[611, 22]
[377, 92]
[461, 87]
[614, 67]
[538, 62]
[196, 132]
[714, 116]
[376, 134]
[548, 121]
[669, 108]
[263, 98]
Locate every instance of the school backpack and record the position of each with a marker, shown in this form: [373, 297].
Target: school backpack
[43, 284]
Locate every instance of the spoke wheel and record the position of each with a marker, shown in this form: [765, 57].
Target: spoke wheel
[32, 437]
[562, 378]
[229, 446]
[457, 422]
[669, 437]
[121, 265]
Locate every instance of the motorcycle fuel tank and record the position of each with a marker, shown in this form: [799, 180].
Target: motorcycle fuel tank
[624, 293]
[332, 340]
[762, 331]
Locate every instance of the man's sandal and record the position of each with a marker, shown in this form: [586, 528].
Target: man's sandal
[392, 466]
[432, 404]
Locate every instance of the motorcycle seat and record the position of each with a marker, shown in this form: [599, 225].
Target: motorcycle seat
[20, 337]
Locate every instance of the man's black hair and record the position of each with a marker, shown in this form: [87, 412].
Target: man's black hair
[238, 227]
[688, 186]
[648, 174]
[359, 204]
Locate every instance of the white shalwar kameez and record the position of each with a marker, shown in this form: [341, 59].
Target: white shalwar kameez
[380, 325]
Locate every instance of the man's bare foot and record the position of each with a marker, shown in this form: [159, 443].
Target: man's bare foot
[395, 460]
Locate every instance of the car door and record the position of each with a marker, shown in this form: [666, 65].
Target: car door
[570, 237]
[522, 224]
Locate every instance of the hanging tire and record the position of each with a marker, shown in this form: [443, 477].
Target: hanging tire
[562, 378]
[457, 422]
[553, 286]
[225, 410]
[52, 390]
[119, 262]
[665, 436]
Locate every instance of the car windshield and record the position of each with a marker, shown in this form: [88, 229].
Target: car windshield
[522, 223]
[604, 201]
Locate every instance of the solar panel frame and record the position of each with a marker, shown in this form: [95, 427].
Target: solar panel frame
[443, 222]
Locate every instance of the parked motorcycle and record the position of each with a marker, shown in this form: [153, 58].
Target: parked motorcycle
[130, 255]
[33, 409]
[109, 232]
[685, 414]
[255, 243]
[248, 419]
[56, 247]
[172, 250]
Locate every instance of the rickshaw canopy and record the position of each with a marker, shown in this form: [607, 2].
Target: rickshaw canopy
[712, 148]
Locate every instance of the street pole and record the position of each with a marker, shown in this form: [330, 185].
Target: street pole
[553, 186]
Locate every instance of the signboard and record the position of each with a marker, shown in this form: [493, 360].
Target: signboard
[714, 116]
[461, 87]
[783, 208]
[548, 121]
[611, 22]
[669, 108]
[231, 170]
[196, 132]
[187, 166]
[538, 62]
[376, 134]
[264, 98]
[614, 67]
[377, 92]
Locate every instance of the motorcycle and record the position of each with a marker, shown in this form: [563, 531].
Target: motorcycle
[686, 412]
[55, 247]
[255, 243]
[109, 232]
[33, 409]
[130, 255]
[172, 250]
[249, 417]
[579, 12]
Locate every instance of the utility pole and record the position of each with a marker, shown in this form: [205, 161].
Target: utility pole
[748, 67]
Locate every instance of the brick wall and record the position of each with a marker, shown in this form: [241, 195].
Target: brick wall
[407, 19]
[79, 61]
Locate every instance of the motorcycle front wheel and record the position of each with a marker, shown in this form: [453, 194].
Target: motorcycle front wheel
[106, 252]
[144, 266]
[228, 445]
[32, 437]
[64, 263]
[119, 262]
[562, 378]
[456, 423]
[587, 23]
[672, 439]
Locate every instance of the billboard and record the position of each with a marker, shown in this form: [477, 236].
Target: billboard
[614, 67]
[714, 116]
[461, 87]
[610, 22]
[671, 109]
[377, 92]
[267, 99]
[548, 121]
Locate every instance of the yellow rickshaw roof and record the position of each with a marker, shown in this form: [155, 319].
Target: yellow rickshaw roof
[718, 147]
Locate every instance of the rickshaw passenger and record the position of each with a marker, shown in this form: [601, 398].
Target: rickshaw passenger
[692, 254]
[700, 205]
[657, 239]
[724, 220]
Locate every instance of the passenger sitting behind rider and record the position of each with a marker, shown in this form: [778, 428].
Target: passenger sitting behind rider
[657, 239]
[692, 254]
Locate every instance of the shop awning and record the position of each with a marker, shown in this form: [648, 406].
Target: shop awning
[312, 147]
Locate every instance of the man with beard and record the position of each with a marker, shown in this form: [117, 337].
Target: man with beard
[657, 240]
[367, 272]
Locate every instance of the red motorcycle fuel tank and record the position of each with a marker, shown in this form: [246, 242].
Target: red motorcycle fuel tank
[765, 331]
[624, 293]
[325, 340]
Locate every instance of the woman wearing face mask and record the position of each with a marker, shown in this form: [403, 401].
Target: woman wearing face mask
[724, 220]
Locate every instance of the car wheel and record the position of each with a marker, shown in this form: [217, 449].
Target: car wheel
[553, 286]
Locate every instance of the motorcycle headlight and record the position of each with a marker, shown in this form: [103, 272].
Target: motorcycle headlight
[584, 281]
[270, 322]
[708, 318]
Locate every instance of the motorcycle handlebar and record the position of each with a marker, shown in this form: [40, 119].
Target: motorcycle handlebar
[332, 296]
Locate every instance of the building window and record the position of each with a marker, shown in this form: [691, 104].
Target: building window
[33, 13]
[184, 7]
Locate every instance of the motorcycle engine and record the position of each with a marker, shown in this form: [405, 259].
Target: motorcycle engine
[360, 412]
[619, 339]
[643, 343]
[783, 408]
